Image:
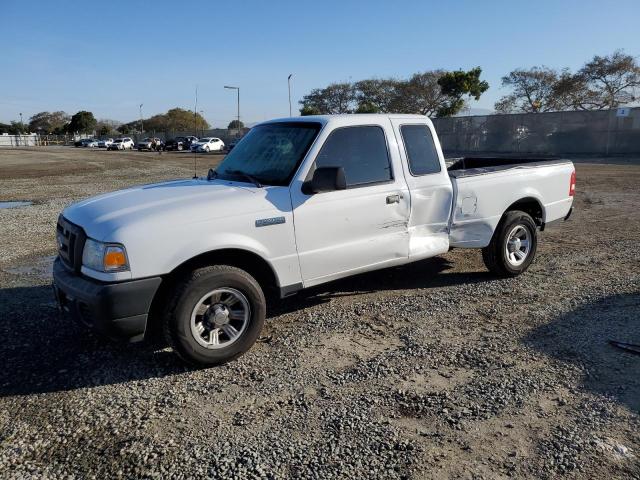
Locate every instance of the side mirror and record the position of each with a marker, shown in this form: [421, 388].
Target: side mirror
[325, 179]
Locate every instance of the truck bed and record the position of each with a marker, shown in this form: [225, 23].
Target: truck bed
[485, 187]
[468, 166]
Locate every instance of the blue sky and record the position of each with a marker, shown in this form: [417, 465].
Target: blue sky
[110, 58]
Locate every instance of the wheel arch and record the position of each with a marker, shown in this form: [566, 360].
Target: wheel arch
[531, 206]
[251, 262]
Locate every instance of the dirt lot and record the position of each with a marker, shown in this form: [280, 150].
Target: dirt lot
[433, 370]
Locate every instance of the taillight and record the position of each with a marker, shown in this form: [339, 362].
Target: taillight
[572, 184]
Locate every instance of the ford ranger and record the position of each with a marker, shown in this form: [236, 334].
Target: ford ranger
[298, 202]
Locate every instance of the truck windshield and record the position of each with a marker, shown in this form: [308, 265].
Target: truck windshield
[270, 153]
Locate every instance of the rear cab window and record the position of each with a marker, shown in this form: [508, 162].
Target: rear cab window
[422, 155]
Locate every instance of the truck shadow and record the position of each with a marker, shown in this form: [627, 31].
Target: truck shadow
[422, 274]
[581, 337]
[44, 351]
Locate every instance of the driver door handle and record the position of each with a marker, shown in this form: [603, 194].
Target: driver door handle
[395, 198]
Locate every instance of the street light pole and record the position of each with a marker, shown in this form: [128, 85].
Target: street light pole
[289, 85]
[141, 124]
[238, 90]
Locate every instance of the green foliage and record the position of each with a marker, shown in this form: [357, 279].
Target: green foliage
[602, 83]
[456, 85]
[307, 110]
[233, 125]
[367, 107]
[124, 129]
[14, 128]
[48, 122]
[82, 122]
[333, 99]
[175, 120]
[532, 91]
[431, 93]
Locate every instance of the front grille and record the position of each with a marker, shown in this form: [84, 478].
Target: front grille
[70, 239]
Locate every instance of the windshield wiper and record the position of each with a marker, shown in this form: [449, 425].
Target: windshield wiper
[212, 174]
[251, 178]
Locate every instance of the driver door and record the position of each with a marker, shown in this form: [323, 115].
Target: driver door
[363, 227]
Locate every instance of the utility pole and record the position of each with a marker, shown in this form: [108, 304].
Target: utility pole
[141, 124]
[289, 85]
[238, 90]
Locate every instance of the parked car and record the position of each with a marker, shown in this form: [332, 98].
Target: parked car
[150, 143]
[322, 197]
[180, 143]
[86, 142]
[124, 143]
[208, 144]
[105, 143]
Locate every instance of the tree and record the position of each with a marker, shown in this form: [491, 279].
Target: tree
[335, 98]
[609, 81]
[533, 90]
[48, 122]
[179, 119]
[420, 94]
[457, 85]
[124, 129]
[603, 83]
[434, 92]
[309, 110]
[235, 125]
[82, 122]
[367, 107]
[376, 95]
[15, 128]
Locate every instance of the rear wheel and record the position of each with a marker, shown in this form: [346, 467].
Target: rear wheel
[513, 245]
[215, 315]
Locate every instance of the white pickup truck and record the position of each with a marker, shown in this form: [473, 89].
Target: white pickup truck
[298, 202]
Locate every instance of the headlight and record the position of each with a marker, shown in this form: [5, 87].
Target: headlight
[104, 257]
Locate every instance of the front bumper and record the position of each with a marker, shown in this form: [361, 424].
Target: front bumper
[118, 310]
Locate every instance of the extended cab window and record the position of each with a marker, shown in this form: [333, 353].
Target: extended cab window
[361, 151]
[421, 150]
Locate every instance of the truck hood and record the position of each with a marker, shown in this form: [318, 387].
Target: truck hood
[172, 204]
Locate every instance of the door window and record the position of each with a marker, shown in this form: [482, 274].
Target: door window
[361, 151]
[421, 150]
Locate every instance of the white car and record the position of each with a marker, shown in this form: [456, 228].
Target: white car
[307, 200]
[124, 143]
[105, 143]
[208, 144]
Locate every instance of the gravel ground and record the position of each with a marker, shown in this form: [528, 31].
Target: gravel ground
[432, 370]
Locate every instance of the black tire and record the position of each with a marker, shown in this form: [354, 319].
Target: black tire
[495, 255]
[189, 291]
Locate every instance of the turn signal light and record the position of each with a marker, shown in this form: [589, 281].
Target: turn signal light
[114, 259]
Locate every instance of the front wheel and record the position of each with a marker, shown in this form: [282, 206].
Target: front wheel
[513, 245]
[215, 315]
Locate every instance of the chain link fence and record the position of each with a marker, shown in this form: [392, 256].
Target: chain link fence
[602, 132]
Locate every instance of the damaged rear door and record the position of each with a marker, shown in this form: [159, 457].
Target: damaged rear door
[429, 185]
[364, 226]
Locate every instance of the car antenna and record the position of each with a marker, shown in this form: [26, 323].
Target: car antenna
[195, 130]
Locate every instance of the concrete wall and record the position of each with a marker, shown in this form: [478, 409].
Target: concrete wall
[27, 140]
[600, 132]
